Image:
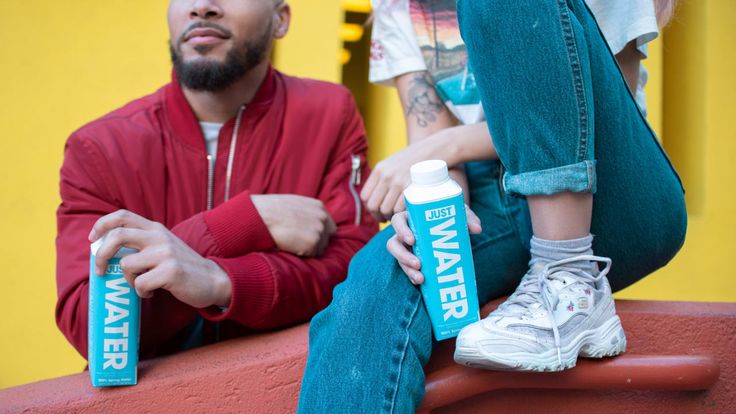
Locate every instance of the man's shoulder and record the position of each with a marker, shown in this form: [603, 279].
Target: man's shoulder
[139, 117]
[317, 92]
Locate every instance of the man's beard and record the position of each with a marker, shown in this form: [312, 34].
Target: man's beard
[211, 76]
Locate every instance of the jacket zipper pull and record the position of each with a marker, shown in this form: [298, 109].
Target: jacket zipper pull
[355, 174]
[354, 183]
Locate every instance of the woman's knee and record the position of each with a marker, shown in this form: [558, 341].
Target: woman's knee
[667, 235]
[372, 261]
[673, 231]
[644, 245]
[374, 282]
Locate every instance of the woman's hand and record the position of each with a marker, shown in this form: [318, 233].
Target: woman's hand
[400, 244]
[383, 191]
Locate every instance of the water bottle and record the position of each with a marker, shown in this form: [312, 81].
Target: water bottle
[437, 218]
[113, 324]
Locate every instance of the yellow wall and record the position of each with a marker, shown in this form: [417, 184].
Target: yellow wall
[312, 47]
[61, 64]
[699, 132]
[66, 63]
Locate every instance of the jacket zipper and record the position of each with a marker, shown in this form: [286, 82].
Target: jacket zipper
[231, 157]
[210, 189]
[353, 185]
[231, 154]
[210, 180]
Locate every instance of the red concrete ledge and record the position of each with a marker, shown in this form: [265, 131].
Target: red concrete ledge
[628, 372]
[680, 359]
[254, 374]
[673, 346]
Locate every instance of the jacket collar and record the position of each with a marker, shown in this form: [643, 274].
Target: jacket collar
[185, 124]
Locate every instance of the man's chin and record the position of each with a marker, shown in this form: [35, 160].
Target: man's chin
[190, 53]
[205, 51]
[204, 58]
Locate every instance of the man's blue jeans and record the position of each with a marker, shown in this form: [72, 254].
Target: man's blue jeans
[562, 119]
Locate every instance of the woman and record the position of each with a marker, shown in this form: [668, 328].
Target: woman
[565, 127]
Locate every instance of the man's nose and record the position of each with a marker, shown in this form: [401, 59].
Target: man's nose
[205, 9]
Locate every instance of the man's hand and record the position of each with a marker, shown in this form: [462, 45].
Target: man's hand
[383, 191]
[163, 261]
[298, 225]
[400, 244]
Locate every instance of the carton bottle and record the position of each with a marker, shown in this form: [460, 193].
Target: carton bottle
[437, 218]
[114, 324]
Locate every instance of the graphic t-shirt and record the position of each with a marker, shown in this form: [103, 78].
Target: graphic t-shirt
[423, 35]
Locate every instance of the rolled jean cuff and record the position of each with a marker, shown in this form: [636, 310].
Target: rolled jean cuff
[575, 178]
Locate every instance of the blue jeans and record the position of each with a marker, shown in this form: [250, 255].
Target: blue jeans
[562, 119]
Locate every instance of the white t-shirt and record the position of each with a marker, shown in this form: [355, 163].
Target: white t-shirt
[395, 50]
[211, 130]
[394, 47]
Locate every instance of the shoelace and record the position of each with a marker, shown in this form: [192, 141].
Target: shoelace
[527, 293]
[549, 293]
[532, 289]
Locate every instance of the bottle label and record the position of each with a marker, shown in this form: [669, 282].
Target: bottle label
[114, 323]
[443, 247]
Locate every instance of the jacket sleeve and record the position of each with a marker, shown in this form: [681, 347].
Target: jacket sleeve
[87, 194]
[231, 229]
[272, 289]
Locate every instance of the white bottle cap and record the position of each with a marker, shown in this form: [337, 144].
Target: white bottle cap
[429, 172]
[94, 247]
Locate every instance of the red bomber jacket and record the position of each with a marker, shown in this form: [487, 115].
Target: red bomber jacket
[297, 136]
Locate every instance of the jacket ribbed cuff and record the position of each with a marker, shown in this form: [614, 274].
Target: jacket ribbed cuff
[252, 290]
[237, 227]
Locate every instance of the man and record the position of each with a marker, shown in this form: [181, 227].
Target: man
[236, 184]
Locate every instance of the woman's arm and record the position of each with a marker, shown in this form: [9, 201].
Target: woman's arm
[430, 122]
[629, 59]
[425, 114]
[432, 134]
[424, 111]
[461, 144]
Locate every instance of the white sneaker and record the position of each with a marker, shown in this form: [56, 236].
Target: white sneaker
[557, 313]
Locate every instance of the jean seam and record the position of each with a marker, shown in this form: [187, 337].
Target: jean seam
[578, 84]
[389, 404]
[591, 176]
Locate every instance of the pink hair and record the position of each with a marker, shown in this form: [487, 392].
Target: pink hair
[664, 10]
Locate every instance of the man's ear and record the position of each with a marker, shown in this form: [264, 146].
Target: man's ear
[282, 19]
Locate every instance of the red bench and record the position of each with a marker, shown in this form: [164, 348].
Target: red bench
[680, 360]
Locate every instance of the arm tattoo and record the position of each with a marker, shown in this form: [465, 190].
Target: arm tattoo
[422, 101]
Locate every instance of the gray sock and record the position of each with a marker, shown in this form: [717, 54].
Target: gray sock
[545, 251]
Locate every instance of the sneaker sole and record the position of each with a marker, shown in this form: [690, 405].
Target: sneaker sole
[604, 341]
